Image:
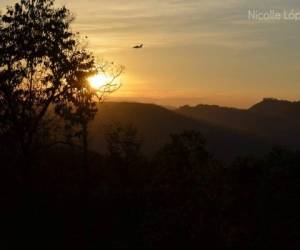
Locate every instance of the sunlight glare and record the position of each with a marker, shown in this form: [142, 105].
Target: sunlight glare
[99, 81]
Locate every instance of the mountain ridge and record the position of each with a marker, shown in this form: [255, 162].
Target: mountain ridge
[155, 124]
[275, 119]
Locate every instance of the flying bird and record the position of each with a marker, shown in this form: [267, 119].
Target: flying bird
[138, 46]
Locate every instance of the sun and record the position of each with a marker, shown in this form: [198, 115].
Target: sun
[98, 81]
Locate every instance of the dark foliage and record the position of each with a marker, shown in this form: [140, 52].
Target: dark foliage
[42, 66]
[181, 199]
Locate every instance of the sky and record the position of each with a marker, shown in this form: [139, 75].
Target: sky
[196, 51]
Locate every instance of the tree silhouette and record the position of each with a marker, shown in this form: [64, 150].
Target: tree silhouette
[183, 159]
[43, 66]
[80, 107]
[124, 145]
[123, 142]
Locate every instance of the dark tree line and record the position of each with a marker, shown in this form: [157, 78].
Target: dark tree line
[181, 198]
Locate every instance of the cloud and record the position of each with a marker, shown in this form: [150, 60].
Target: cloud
[163, 23]
[117, 24]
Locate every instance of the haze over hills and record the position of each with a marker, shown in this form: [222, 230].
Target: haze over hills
[229, 131]
[277, 120]
[174, 102]
[156, 123]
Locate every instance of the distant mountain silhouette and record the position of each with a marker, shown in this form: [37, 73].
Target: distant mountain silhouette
[277, 120]
[274, 107]
[156, 123]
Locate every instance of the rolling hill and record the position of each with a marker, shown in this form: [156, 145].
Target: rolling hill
[156, 123]
[277, 120]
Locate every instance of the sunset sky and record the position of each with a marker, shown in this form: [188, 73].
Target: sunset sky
[195, 50]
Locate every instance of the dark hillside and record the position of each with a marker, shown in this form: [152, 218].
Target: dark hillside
[277, 120]
[156, 123]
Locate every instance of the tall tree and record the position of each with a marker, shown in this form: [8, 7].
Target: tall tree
[79, 108]
[43, 65]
